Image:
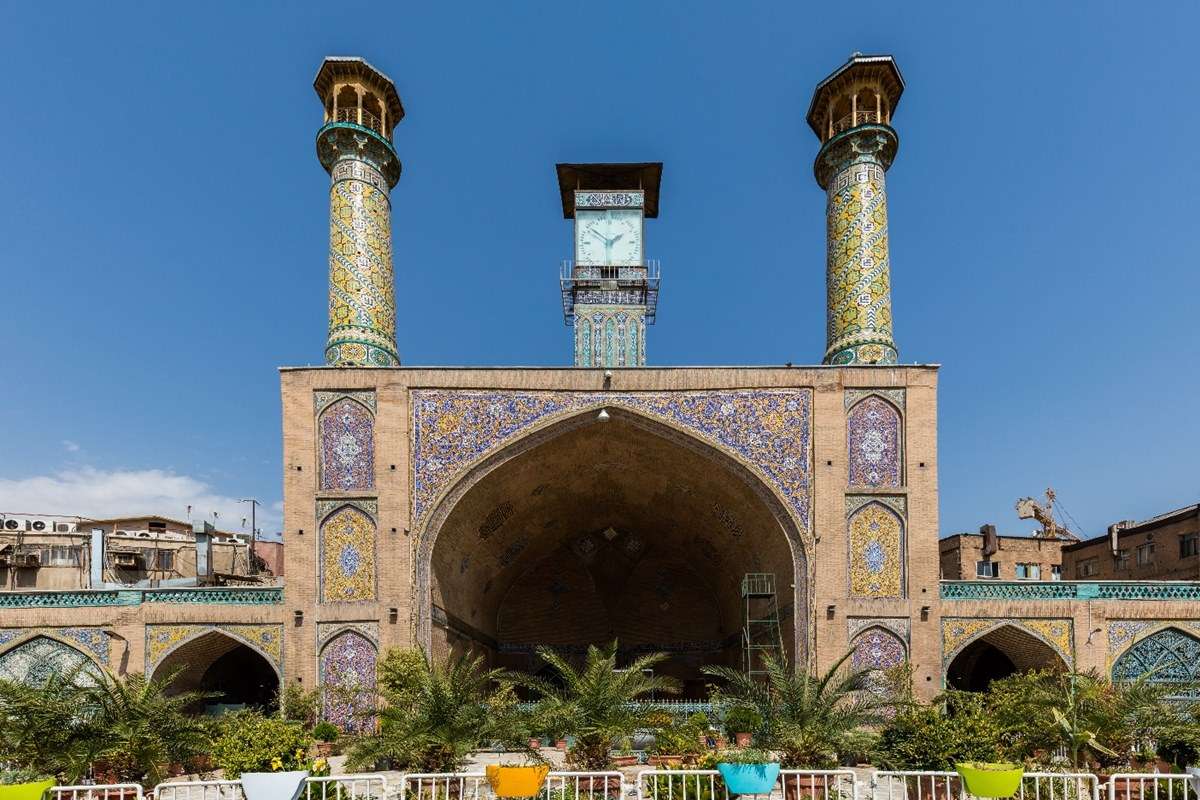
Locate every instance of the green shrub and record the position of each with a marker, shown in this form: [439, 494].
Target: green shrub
[935, 737]
[250, 742]
[326, 732]
[742, 719]
[300, 705]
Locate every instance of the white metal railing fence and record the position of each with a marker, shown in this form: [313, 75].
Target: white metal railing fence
[100, 791]
[474, 786]
[915, 785]
[706, 784]
[199, 790]
[1152, 786]
[366, 786]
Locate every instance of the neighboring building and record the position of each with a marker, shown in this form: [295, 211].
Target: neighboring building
[987, 556]
[46, 551]
[714, 513]
[1162, 548]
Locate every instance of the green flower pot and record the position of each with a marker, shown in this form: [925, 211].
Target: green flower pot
[990, 780]
[25, 791]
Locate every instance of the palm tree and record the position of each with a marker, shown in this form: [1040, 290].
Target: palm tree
[144, 729]
[597, 704]
[810, 719]
[435, 714]
[44, 730]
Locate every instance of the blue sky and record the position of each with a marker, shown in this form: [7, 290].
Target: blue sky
[164, 224]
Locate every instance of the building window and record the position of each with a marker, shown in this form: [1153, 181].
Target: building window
[1189, 545]
[1122, 559]
[1029, 572]
[166, 560]
[1145, 554]
[1056, 572]
[1086, 569]
[987, 569]
[61, 556]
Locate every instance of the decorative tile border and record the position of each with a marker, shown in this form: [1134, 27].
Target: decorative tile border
[768, 430]
[958, 632]
[367, 505]
[894, 396]
[897, 625]
[266, 638]
[94, 641]
[896, 502]
[327, 630]
[323, 399]
[596, 199]
[1122, 634]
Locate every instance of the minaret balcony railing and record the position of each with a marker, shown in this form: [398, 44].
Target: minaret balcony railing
[615, 285]
[368, 120]
[854, 120]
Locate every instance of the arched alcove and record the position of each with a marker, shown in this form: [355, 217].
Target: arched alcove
[236, 674]
[347, 434]
[347, 674]
[622, 528]
[34, 661]
[998, 653]
[1168, 658]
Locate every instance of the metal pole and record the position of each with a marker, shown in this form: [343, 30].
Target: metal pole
[253, 569]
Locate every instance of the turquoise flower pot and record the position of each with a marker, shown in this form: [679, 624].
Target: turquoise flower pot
[749, 778]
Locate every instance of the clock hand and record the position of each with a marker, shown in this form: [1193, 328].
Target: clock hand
[598, 235]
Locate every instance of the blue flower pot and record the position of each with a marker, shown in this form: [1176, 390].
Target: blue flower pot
[749, 778]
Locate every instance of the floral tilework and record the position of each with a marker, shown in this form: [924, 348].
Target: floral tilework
[873, 438]
[877, 648]
[347, 559]
[347, 432]
[876, 552]
[958, 632]
[769, 429]
[37, 660]
[347, 672]
[1057, 632]
[1122, 633]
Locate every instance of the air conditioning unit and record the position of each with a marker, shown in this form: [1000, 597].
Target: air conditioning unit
[25, 560]
[125, 558]
[12, 525]
[62, 527]
[37, 525]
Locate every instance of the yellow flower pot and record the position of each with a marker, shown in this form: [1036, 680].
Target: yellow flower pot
[517, 781]
[990, 780]
[25, 791]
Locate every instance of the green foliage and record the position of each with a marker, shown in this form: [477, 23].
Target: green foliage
[252, 742]
[680, 738]
[325, 732]
[128, 725]
[436, 713]
[10, 776]
[742, 719]
[300, 705]
[807, 718]
[935, 737]
[746, 755]
[597, 703]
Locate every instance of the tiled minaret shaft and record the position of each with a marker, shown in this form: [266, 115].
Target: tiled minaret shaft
[851, 114]
[355, 148]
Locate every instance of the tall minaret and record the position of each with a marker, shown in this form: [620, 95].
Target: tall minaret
[355, 148]
[851, 113]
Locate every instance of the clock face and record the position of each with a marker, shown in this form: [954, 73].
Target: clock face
[611, 236]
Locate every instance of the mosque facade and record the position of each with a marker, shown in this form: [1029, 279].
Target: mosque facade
[722, 515]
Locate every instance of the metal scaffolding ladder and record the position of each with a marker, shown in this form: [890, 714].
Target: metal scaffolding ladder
[761, 634]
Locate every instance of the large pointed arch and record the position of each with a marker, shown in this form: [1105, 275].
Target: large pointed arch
[523, 452]
[984, 650]
[224, 661]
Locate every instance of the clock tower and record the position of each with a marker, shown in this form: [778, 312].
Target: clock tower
[610, 288]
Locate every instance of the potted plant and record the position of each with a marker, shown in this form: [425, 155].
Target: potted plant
[325, 734]
[624, 756]
[748, 771]
[20, 784]
[983, 779]
[513, 780]
[742, 721]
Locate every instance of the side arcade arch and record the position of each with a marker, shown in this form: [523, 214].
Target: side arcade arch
[997, 651]
[34, 660]
[214, 660]
[1169, 658]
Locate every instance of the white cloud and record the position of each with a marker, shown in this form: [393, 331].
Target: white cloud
[96, 493]
[70, 447]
